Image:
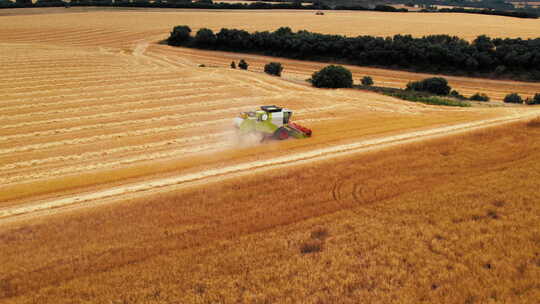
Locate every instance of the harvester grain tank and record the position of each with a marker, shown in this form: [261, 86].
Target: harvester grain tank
[272, 122]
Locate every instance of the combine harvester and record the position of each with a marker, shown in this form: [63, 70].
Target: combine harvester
[271, 122]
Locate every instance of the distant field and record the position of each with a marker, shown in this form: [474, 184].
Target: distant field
[333, 22]
[522, 4]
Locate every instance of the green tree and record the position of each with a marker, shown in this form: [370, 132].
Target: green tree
[179, 35]
[273, 68]
[24, 2]
[533, 101]
[332, 76]
[367, 81]
[283, 31]
[233, 65]
[243, 64]
[536, 98]
[483, 43]
[500, 69]
[513, 98]
[456, 94]
[434, 85]
[6, 3]
[205, 37]
[479, 97]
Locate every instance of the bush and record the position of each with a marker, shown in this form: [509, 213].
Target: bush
[367, 81]
[434, 85]
[179, 35]
[513, 98]
[243, 65]
[6, 3]
[332, 76]
[457, 95]
[536, 99]
[233, 65]
[431, 100]
[500, 69]
[273, 68]
[205, 37]
[479, 97]
[416, 96]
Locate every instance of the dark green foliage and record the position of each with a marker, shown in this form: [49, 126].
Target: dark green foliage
[432, 100]
[332, 76]
[479, 97]
[23, 3]
[536, 98]
[457, 95]
[205, 37]
[416, 96]
[500, 69]
[521, 14]
[517, 58]
[8, 4]
[434, 85]
[273, 68]
[243, 64]
[179, 35]
[49, 3]
[367, 81]
[388, 8]
[513, 98]
[533, 101]
[233, 65]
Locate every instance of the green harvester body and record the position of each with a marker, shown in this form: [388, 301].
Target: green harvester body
[272, 122]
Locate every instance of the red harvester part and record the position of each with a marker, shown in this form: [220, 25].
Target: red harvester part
[282, 134]
[300, 128]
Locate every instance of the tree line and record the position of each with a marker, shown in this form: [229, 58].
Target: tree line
[487, 7]
[485, 11]
[485, 57]
[209, 4]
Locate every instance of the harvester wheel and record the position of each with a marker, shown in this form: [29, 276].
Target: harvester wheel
[281, 134]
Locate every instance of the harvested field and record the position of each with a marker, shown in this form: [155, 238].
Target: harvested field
[91, 99]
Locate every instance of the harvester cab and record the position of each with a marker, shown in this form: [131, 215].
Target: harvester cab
[271, 122]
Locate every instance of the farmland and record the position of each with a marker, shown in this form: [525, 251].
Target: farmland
[91, 100]
[383, 235]
[99, 101]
